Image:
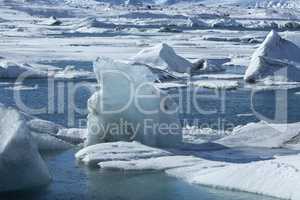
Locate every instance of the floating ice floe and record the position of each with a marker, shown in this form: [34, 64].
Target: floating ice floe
[216, 84]
[226, 23]
[277, 58]
[72, 135]
[11, 70]
[219, 76]
[209, 65]
[278, 177]
[262, 134]
[71, 73]
[116, 151]
[169, 85]
[116, 111]
[163, 56]
[195, 23]
[22, 87]
[92, 22]
[21, 166]
[262, 25]
[192, 134]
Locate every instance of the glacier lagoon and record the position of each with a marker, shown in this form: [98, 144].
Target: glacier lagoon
[74, 181]
[71, 181]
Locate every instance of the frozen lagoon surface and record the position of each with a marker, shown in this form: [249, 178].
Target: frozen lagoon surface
[26, 37]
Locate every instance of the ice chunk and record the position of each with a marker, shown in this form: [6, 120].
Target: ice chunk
[43, 126]
[261, 134]
[12, 70]
[263, 25]
[226, 23]
[128, 107]
[216, 84]
[209, 65]
[92, 22]
[52, 21]
[275, 57]
[159, 163]
[71, 73]
[46, 142]
[72, 135]
[117, 151]
[169, 85]
[46, 134]
[192, 134]
[195, 23]
[163, 56]
[277, 178]
[21, 166]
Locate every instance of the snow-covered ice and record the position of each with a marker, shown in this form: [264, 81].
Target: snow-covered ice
[262, 134]
[203, 66]
[163, 56]
[276, 57]
[216, 84]
[92, 155]
[277, 177]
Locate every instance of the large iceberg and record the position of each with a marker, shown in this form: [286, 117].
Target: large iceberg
[129, 107]
[21, 166]
[163, 56]
[277, 58]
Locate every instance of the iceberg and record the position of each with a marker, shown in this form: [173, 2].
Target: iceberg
[21, 166]
[129, 107]
[277, 58]
[163, 56]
